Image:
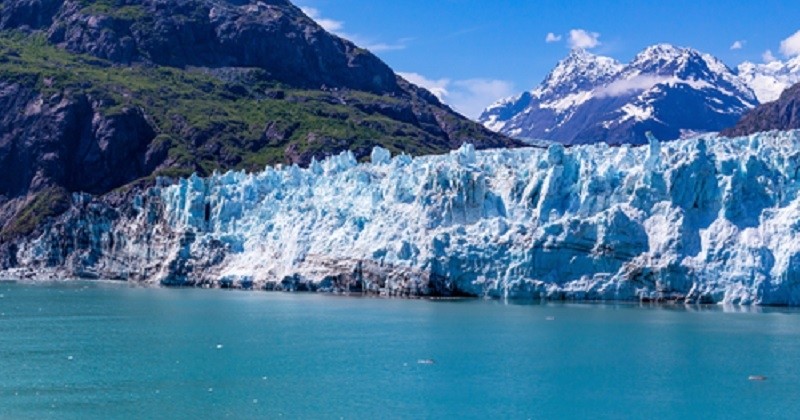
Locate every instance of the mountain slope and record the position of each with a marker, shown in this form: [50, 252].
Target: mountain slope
[95, 95]
[769, 80]
[782, 114]
[667, 90]
[569, 85]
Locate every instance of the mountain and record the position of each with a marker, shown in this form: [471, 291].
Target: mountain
[569, 85]
[769, 80]
[96, 95]
[669, 91]
[695, 221]
[781, 114]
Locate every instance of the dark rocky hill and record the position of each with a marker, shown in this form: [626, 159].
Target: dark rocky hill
[783, 114]
[101, 94]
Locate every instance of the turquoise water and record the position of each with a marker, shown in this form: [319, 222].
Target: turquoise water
[81, 350]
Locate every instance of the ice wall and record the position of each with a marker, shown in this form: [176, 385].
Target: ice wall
[701, 220]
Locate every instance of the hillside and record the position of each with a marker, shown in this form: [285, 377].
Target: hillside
[782, 114]
[96, 95]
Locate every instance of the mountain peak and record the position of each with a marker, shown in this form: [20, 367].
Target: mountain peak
[663, 55]
[769, 80]
[579, 54]
[665, 49]
[579, 70]
[666, 89]
[274, 36]
[689, 65]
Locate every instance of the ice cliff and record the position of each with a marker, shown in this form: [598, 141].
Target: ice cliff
[701, 220]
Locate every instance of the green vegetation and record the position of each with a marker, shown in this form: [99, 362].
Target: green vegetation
[113, 8]
[207, 124]
[44, 205]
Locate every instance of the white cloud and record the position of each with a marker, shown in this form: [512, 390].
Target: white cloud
[551, 37]
[634, 84]
[436, 87]
[768, 57]
[581, 38]
[738, 45]
[337, 27]
[469, 97]
[380, 46]
[790, 47]
[330, 25]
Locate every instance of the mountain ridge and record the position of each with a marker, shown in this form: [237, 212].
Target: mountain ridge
[781, 114]
[670, 91]
[769, 80]
[96, 95]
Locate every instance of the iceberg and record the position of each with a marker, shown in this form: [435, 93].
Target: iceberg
[706, 220]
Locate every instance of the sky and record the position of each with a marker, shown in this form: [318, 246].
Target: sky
[471, 53]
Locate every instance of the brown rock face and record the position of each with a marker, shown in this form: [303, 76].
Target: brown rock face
[274, 35]
[130, 88]
[64, 140]
[783, 114]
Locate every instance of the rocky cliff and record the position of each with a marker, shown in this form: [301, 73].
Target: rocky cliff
[782, 114]
[271, 35]
[97, 95]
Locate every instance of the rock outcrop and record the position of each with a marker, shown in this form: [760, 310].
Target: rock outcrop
[782, 114]
[271, 35]
[99, 94]
[66, 141]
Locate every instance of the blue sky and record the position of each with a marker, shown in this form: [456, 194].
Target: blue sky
[473, 52]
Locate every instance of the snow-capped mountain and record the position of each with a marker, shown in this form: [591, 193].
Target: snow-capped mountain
[769, 80]
[668, 90]
[569, 85]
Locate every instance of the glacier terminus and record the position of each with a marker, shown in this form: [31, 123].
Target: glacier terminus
[705, 220]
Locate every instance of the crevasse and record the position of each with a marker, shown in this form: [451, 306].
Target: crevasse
[701, 220]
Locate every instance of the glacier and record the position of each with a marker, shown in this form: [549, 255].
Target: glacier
[703, 220]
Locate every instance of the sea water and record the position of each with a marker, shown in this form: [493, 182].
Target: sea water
[103, 350]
